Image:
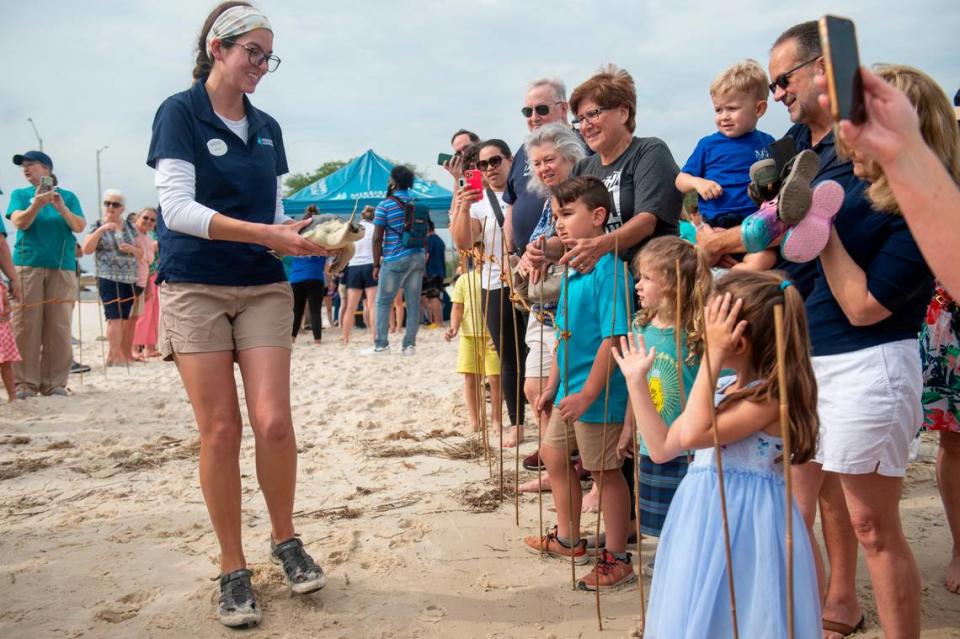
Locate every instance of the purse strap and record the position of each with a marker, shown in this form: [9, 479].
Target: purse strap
[495, 205]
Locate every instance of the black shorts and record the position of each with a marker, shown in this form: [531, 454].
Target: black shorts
[360, 276]
[432, 286]
[117, 298]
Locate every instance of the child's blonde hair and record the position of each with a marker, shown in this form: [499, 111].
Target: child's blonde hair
[746, 76]
[660, 257]
[761, 292]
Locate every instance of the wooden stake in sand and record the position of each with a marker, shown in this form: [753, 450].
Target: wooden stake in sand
[636, 466]
[565, 336]
[678, 336]
[603, 437]
[79, 329]
[500, 333]
[540, 415]
[520, 407]
[720, 482]
[787, 453]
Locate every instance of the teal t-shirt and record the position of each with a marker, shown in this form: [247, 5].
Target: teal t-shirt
[663, 378]
[49, 242]
[594, 307]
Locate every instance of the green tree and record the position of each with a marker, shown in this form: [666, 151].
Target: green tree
[299, 180]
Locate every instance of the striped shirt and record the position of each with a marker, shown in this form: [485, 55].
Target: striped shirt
[391, 216]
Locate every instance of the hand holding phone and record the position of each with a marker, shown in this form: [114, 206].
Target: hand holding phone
[473, 179]
[838, 41]
[46, 184]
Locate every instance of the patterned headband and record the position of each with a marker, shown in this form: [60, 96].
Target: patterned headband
[234, 22]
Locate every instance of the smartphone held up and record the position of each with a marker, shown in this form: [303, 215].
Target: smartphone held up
[838, 41]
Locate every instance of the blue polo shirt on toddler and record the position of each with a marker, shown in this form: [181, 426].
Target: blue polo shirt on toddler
[727, 162]
[594, 308]
[234, 177]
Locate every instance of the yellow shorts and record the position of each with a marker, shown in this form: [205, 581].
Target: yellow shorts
[202, 318]
[595, 453]
[471, 356]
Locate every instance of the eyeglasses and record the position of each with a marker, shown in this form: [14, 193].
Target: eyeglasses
[589, 116]
[112, 205]
[541, 109]
[257, 57]
[492, 163]
[783, 80]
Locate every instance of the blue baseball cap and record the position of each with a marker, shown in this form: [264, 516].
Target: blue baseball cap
[34, 156]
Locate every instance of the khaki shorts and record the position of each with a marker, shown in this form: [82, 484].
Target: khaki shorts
[540, 353]
[202, 318]
[588, 438]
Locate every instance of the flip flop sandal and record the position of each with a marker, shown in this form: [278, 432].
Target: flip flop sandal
[844, 629]
[759, 229]
[796, 194]
[804, 241]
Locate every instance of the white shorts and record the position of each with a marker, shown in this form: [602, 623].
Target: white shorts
[540, 355]
[869, 408]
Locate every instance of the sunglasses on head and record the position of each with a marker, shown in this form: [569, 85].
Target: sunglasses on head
[492, 163]
[541, 109]
[111, 205]
[783, 80]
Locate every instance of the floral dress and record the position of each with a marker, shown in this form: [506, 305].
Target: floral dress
[940, 358]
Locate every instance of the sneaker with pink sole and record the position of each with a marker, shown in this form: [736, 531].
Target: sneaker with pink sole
[803, 242]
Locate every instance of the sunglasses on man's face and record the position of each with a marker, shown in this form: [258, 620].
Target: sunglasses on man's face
[783, 80]
[540, 109]
[493, 162]
[111, 205]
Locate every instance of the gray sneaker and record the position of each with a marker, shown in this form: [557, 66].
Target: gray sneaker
[409, 351]
[60, 391]
[303, 575]
[376, 350]
[25, 393]
[796, 193]
[238, 608]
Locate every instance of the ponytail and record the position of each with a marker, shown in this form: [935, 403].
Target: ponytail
[204, 64]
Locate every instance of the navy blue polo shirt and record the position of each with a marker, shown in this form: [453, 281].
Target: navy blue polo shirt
[831, 168]
[880, 244]
[526, 206]
[234, 177]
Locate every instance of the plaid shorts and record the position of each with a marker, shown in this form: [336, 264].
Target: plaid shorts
[658, 484]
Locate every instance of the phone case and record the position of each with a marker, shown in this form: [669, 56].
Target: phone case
[474, 180]
[838, 40]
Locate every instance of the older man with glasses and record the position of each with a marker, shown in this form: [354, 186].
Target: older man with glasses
[46, 217]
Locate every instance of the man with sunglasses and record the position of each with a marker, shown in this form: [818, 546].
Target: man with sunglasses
[545, 102]
[46, 217]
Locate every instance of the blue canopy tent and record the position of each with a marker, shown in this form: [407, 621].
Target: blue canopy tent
[364, 181]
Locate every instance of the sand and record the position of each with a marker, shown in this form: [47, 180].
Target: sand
[105, 533]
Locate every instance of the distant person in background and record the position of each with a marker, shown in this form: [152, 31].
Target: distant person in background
[46, 221]
[144, 221]
[114, 239]
[460, 141]
[145, 332]
[307, 282]
[359, 279]
[402, 266]
[436, 273]
[8, 343]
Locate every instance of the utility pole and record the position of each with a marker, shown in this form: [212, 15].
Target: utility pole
[36, 133]
[99, 190]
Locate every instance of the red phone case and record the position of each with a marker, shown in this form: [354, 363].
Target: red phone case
[474, 180]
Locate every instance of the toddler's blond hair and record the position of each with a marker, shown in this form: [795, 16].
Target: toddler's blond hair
[746, 76]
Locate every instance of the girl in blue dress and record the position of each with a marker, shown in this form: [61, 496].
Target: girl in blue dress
[690, 596]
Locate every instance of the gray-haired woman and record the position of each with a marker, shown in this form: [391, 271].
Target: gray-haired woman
[553, 150]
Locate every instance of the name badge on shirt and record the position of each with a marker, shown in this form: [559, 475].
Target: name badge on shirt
[217, 147]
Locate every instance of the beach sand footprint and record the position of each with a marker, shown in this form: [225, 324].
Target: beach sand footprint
[124, 608]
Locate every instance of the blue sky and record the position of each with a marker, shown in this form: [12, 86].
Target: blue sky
[399, 76]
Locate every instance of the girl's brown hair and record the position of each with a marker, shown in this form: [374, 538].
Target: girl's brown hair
[760, 293]
[204, 63]
[660, 257]
[938, 126]
[610, 88]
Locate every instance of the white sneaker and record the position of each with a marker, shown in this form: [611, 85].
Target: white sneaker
[409, 351]
[376, 350]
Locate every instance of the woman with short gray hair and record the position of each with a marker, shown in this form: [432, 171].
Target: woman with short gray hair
[553, 150]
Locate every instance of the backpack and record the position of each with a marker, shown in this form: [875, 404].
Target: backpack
[416, 218]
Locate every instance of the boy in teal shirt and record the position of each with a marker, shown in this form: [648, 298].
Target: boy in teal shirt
[584, 380]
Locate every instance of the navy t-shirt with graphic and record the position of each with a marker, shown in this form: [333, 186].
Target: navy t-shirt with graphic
[526, 205]
[234, 177]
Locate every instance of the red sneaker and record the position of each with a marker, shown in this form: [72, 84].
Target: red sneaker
[551, 546]
[608, 573]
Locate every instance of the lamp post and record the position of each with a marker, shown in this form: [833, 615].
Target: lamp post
[36, 133]
[99, 190]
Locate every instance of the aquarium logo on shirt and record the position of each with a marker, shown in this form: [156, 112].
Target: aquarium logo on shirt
[264, 141]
